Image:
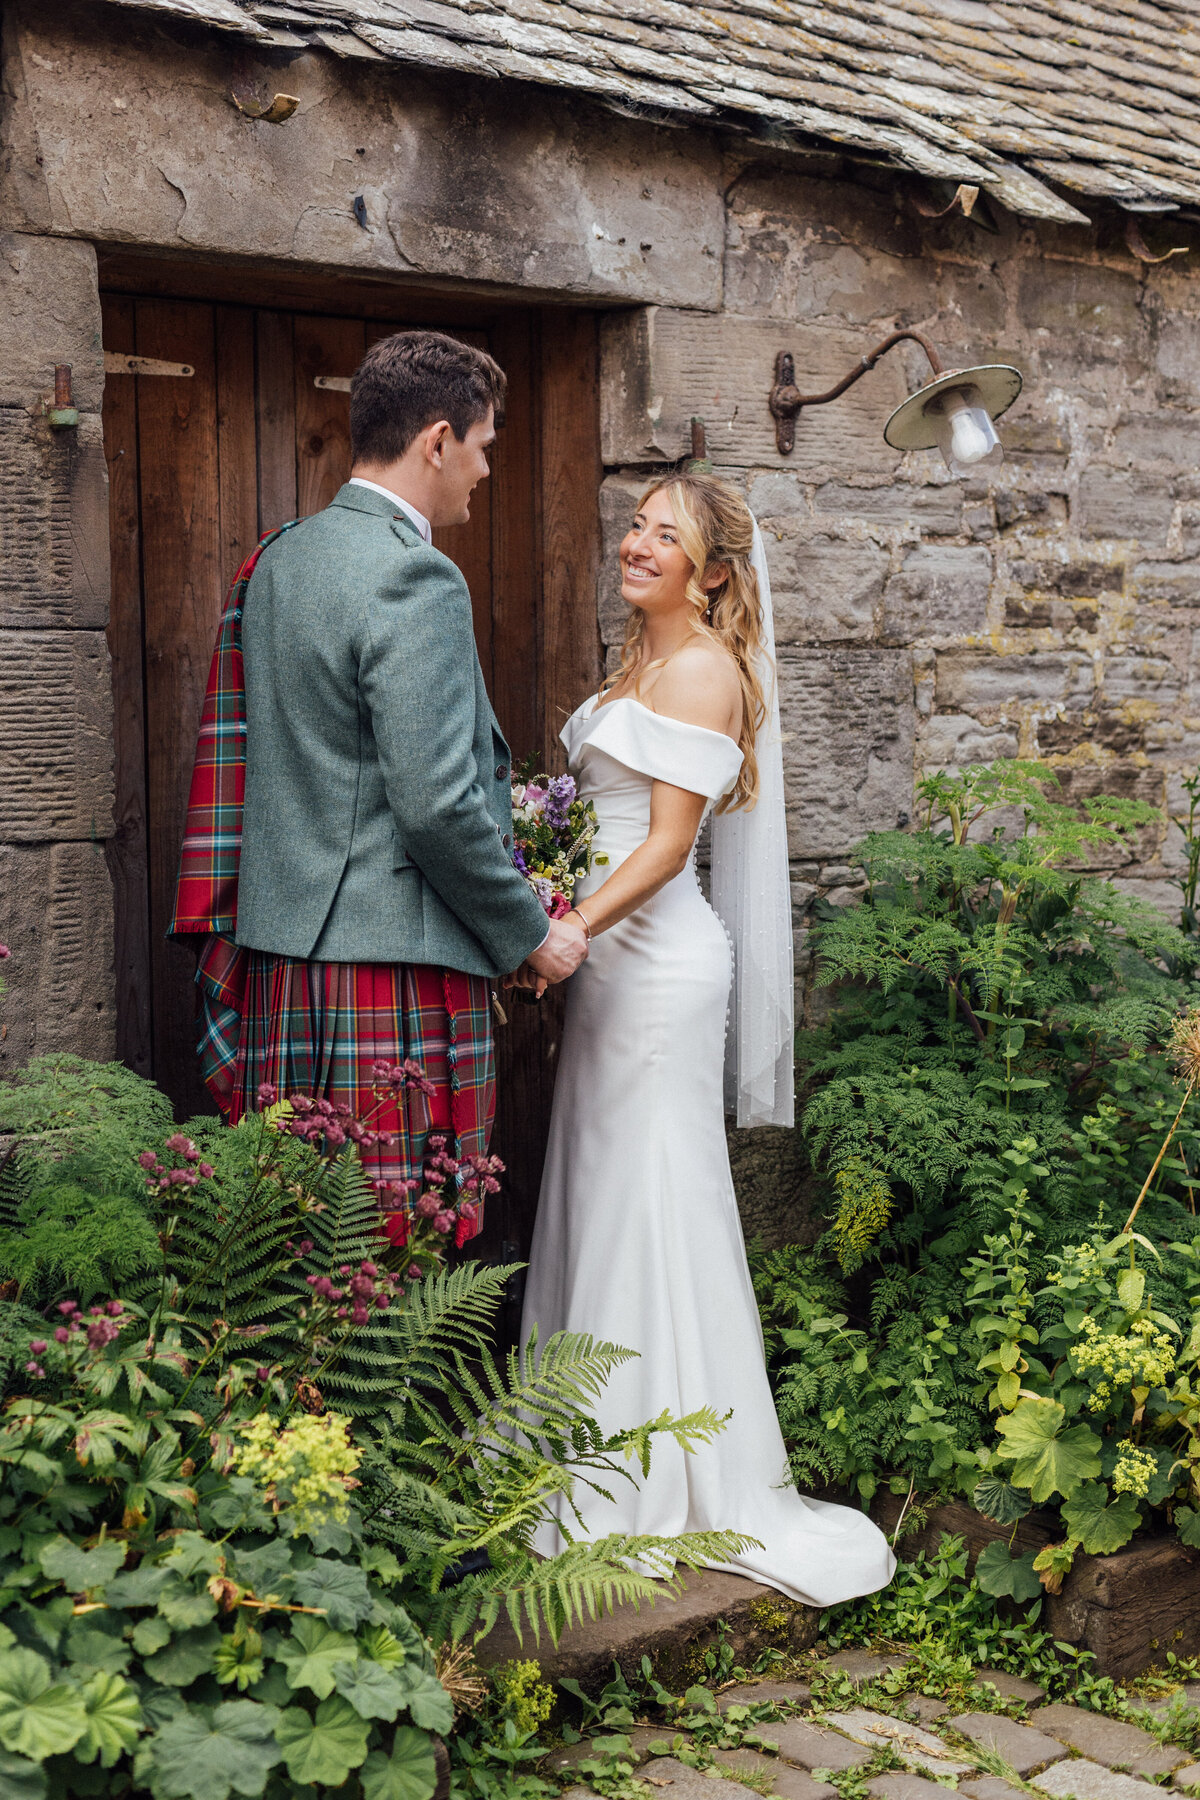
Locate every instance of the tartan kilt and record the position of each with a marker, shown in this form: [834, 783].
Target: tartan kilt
[319, 1027]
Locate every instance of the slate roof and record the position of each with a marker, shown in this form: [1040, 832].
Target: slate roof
[1044, 104]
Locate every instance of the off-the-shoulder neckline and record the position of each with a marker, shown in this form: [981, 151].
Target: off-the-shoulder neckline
[597, 706]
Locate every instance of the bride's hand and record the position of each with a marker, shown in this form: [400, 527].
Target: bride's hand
[526, 980]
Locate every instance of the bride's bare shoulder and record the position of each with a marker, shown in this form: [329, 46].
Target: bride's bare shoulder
[700, 686]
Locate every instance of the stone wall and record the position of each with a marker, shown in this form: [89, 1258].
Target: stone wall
[921, 622]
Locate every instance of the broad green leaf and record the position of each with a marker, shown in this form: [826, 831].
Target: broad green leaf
[1009, 1355]
[311, 1654]
[268, 1570]
[184, 1606]
[1000, 1501]
[382, 1646]
[114, 1719]
[1046, 1459]
[1131, 1288]
[1008, 1390]
[427, 1700]
[21, 1779]
[37, 1719]
[205, 1752]
[190, 1655]
[376, 1559]
[339, 1588]
[373, 1691]
[192, 1554]
[1101, 1528]
[80, 1569]
[409, 1773]
[150, 1635]
[323, 1749]
[1187, 1520]
[1004, 1576]
[137, 1587]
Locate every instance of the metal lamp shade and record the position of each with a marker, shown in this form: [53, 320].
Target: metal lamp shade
[911, 428]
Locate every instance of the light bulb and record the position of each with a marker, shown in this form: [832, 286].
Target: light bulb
[965, 433]
[968, 440]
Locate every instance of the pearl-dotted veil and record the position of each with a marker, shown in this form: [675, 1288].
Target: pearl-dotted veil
[751, 893]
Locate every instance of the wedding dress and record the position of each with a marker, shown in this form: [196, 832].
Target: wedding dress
[638, 1239]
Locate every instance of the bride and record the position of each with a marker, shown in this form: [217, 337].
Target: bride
[638, 1239]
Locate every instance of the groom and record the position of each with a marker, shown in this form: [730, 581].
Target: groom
[376, 898]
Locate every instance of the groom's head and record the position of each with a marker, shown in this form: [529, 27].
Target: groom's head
[422, 414]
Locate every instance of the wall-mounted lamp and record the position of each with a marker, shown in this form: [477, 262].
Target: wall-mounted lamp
[953, 413]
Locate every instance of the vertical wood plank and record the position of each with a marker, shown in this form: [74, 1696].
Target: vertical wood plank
[236, 450]
[183, 576]
[516, 601]
[126, 850]
[275, 390]
[571, 473]
[323, 347]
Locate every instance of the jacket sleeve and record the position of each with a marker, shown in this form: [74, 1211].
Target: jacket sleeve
[417, 676]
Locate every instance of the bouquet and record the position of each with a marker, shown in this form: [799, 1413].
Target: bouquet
[552, 838]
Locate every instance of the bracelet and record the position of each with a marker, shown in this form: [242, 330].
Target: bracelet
[587, 930]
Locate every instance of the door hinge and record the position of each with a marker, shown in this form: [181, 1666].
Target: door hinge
[118, 362]
[339, 384]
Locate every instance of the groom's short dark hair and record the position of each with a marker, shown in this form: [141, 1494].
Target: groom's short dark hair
[412, 379]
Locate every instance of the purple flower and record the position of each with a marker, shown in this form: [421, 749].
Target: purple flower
[37, 1345]
[559, 797]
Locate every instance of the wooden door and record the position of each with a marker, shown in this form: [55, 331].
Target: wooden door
[199, 466]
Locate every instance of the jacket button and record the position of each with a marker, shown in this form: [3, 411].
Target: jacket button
[506, 840]
[501, 771]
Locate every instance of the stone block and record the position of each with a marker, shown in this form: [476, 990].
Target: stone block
[53, 523]
[619, 496]
[785, 1781]
[682, 1782]
[925, 1707]
[1187, 1778]
[565, 197]
[816, 1747]
[1070, 301]
[1160, 436]
[1177, 358]
[953, 740]
[1020, 1746]
[1069, 580]
[51, 310]
[1011, 1687]
[1119, 503]
[1142, 679]
[989, 1787]
[569, 1756]
[940, 594]
[849, 723]
[861, 1665]
[56, 916]
[1178, 583]
[56, 750]
[904, 504]
[916, 1747]
[1079, 1779]
[1025, 435]
[775, 1186]
[975, 682]
[659, 366]
[785, 1694]
[895, 1786]
[1111, 1741]
[824, 589]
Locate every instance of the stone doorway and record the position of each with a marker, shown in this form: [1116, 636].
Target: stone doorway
[199, 465]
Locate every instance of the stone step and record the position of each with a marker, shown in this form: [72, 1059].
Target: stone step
[673, 1633]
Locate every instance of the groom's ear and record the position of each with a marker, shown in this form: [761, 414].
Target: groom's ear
[433, 442]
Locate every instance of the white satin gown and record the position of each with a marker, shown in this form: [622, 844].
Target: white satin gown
[638, 1239]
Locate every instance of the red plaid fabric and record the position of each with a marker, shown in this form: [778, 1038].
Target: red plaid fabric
[306, 1027]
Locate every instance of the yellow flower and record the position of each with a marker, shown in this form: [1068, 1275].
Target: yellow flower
[311, 1462]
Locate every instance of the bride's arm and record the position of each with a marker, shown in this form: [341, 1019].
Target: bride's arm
[699, 686]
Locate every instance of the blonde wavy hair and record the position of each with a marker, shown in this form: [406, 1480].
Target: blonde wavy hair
[715, 526]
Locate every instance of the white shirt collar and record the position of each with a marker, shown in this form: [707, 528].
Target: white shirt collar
[419, 520]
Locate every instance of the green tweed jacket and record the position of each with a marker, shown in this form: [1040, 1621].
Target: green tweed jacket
[378, 816]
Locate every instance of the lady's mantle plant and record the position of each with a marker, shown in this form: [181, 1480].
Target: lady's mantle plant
[234, 1498]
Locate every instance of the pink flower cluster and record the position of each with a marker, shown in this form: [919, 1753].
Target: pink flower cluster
[448, 1199]
[331, 1121]
[100, 1326]
[393, 1078]
[365, 1287]
[185, 1174]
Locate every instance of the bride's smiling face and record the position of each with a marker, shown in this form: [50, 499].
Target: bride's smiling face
[655, 567]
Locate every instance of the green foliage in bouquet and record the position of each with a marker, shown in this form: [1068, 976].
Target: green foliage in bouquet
[240, 1521]
[992, 1096]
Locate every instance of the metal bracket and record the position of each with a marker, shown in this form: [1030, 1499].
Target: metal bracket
[337, 384]
[61, 413]
[786, 402]
[118, 362]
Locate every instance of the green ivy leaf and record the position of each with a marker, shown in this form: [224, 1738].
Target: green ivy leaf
[323, 1749]
[311, 1654]
[1046, 1459]
[21, 1779]
[78, 1569]
[1101, 1528]
[409, 1773]
[339, 1588]
[37, 1718]
[373, 1691]
[207, 1752]
[1004, 1576]
[114, 1719]
[190, 1655]
[1000, 1501]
